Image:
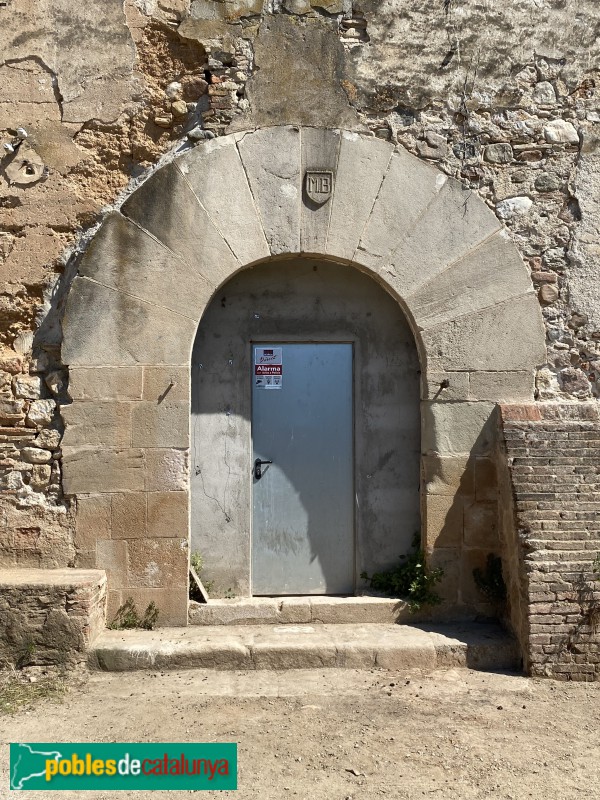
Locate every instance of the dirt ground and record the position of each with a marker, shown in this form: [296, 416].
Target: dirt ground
[343, 734]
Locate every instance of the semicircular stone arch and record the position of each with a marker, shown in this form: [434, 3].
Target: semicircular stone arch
[152, 268]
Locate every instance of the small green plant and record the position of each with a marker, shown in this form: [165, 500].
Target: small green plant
[490, 580]
[127, 617]
[596, 567]
[197, 563]
[410, 579]
[26, 654]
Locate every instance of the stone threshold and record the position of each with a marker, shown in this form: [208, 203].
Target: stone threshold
[303, 609]
[278, 647]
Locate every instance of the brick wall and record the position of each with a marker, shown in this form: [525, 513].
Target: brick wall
[551, 535]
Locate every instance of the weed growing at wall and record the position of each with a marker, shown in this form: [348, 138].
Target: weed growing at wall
[490, 580]
[127, 617]
[197, 565]
[410, 580]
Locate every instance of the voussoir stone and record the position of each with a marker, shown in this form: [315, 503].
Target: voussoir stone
[125, 257]
[455, 222]
[215, 173]
[320, 148]
[166, 206]
[396, 210]
[514, 326]
[486, 276]
[271, 158]
[362, 162]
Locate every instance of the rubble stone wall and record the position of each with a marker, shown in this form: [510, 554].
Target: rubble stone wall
[551, 535]
[49, 616]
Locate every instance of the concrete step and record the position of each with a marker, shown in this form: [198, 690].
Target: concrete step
[248, 647]
[299, 611]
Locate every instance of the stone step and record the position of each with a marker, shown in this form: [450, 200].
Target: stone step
[249, 647]
[299, 610]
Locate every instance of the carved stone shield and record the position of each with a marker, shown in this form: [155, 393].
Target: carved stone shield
[318, 184]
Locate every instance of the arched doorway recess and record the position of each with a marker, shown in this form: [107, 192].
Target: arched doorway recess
[151, 270]
[317, 518]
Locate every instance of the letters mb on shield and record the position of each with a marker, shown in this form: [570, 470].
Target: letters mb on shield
[319, 185]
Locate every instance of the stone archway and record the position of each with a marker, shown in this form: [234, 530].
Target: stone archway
[151, 270]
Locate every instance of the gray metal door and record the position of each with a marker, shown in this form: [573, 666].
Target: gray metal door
[302, 422]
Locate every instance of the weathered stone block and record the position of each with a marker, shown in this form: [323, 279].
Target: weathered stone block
[163, 424]
[271, 158]
[499, 153]
[447, 559]
[481, 526]
[28, 387]
[448, 475]
[486, 479]
[228, 201]
[104, 327]
[502, 386]
[11, 411]
[41, 413]
[92, 521]
[166, 383]
[40, 477]
[445, 387]
[97, 424]
[129, 515]
[49, 616]
[471, 559]
[450, 428]
[48, 438]
[172, 603]
[560, 131]
[167, 470]
[157, 563]
[168, 514]
[105, 383]
[97, 470]
[296, 77]
[444, 521]
[112, 557]
[34, 455]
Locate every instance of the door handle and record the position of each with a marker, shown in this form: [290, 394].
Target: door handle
[258, 468]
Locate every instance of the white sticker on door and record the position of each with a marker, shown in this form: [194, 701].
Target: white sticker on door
[268, 367]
